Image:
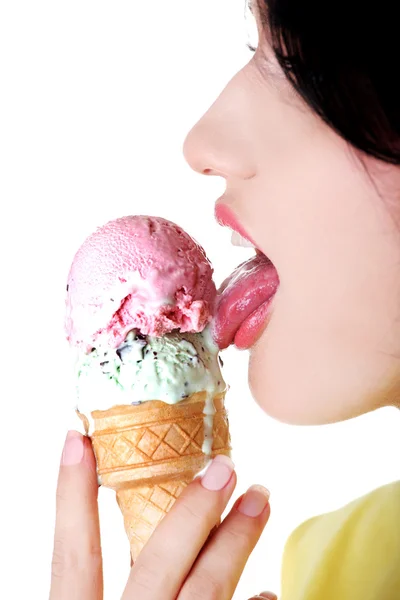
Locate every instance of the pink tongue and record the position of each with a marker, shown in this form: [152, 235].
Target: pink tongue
[252, 283]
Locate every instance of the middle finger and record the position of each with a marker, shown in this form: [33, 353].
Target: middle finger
[219, 566]
[168, 556]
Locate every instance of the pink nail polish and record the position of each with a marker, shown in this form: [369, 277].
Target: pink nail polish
[254, 501]
[74, 449]
[218, 473]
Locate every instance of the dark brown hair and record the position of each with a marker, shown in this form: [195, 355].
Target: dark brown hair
[343, 58]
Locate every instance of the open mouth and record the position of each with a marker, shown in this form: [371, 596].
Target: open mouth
[245, 297]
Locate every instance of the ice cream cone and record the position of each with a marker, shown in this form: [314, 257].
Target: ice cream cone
[149, 453]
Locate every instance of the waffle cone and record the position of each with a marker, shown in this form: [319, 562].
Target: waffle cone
[150, 452]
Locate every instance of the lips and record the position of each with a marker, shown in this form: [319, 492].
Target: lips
[226, 218]
[244, 298]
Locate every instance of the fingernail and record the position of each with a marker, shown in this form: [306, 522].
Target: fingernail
[73, 449]
[218, 473]
[254, 501]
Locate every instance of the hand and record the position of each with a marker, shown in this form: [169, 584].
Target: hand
[265, 596]
[181, 561]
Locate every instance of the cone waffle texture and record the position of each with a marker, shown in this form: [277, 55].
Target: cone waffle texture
[150, 452]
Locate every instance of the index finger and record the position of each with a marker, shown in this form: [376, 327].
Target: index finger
[168, 556]
[77, 565]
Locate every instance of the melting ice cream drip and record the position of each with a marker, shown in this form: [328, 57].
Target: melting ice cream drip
[209, 412]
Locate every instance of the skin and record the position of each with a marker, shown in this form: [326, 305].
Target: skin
[328, 218]
[190, 555]
[329, 221]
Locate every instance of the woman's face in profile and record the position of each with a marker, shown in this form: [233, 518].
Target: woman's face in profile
[329, 223]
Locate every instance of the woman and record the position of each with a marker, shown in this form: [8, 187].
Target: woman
[307, 137]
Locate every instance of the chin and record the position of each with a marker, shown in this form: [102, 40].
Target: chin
[289, 390]
[283, 404]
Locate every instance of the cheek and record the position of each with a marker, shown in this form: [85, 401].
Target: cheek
[332, 348]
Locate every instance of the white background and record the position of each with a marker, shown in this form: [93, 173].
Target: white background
[96, 99]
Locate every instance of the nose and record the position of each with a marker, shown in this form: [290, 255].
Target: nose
[220, 143]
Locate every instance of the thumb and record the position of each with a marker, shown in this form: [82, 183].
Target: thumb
[77, 564]
[265, 596]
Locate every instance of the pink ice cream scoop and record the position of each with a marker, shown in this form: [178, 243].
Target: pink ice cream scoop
[137, 272]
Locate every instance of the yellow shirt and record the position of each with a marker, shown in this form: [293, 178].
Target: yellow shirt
[350, 554]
